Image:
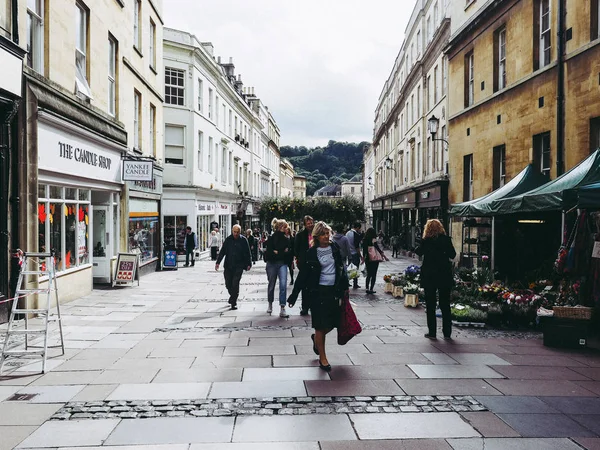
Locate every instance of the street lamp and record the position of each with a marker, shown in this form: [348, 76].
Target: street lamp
[389, 164]
[433, 125]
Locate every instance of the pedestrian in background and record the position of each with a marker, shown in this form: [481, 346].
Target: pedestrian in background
[236, 252]
[395, 242]
[370, 240]
[278, 254]
[190, 243]
[436, 275]
[354, 239]
[214, 243]
[252, 244]
[288, 233]
[342, 241]
[302, 243]
[323, 277]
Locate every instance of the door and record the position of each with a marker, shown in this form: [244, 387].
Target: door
[101, 243]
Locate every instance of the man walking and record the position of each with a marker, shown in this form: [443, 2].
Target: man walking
[354, 237]
[190, 244]
[302, 243]
[236, 252]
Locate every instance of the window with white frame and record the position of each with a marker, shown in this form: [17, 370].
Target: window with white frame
[429, 30]
[152, 130]
[137, 120]
[418, 102]
[152, 52]
[499, 166]
[137, 24]
[217, 111]
[174, 144]
[435, 15]
[435, 85]
[469, 79]
[500, 55]
[112, 76]
[209, 164]
[82, 86]
[210, 103]
[174, 86]
[418, 44]
[444, 75]
[541, 152]
[200, 91]
[545, 45]
[429, 93]
[230, 126]
[35, 35]
[200, 150]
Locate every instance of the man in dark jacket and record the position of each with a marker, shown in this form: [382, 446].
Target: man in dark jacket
[302, 243]
[236, 251]
[190, 243]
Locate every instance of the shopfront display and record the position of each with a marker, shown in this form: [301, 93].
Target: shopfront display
[174, 231]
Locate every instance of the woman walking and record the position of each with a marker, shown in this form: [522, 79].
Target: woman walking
[436, 275]
[214, 243]
[370, 240]
[323, 275]
[278, 254]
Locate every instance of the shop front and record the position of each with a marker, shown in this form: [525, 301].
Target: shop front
[78, 210]
[432, 202]
[377, 208]
[205, 214]
[224, 218]
[402, 205]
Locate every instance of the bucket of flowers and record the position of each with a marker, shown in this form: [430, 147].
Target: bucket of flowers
[411, 293]
[398, 281]
[520, 306]
[568, 302]
[388, 286]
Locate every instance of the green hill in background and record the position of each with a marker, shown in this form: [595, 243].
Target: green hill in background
[333, 164]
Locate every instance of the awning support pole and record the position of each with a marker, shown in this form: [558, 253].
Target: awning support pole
[493, 243]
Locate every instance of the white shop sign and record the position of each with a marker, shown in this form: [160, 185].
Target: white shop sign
[11, 73]
[249, 209]
[66, 152]
[205, 208]
[137, 170]
[223, 209]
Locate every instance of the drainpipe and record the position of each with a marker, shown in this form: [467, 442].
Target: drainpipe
[560, 104]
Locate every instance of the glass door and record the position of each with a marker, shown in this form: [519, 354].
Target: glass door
[101, 243]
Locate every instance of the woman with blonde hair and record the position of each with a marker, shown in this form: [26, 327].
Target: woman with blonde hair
[278, 253]
[436, 275]
[323, 275]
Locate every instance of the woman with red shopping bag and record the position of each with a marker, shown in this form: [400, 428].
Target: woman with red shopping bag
[324, 276]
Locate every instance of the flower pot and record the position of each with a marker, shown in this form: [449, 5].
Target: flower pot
[398, 291]
[411, 300]
[388, 287]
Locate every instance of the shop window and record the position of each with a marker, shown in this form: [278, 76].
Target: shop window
[174, 86]
[112, 75]
[542, 42]
[203, 231]
[500, 59]
[174, 144]
[469, 79]
[594, 134]
[82, 86]
[144, 236]
[499, 165]
[595, 20]
[468, 177]
[541, 152]
[63, 224]
[174, 232]
[35, 35]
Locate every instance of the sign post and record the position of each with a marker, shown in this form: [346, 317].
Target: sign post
[126, 270]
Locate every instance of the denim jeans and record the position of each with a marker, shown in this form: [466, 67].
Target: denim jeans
[277, 269]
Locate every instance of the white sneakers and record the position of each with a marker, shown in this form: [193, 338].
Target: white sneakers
[282, 313]
[270, 308]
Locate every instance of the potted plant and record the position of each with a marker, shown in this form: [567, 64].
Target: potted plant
[399, 281]
[388, 286]
[411, 294]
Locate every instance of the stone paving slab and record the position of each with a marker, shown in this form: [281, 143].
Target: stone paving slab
[540, 388]
[22, 413]
[447, 387]
[545, 425]
[71, 433]
[453, 371]
[591, 386]
[588, 443]
[285, 374]
[133, 376]
[513, 444]
[589, 421]
[13, 435]
[371, 372]
[257, 446]
[171, 431]
[516, 404]
[411, 425]
[95, 392]
[400, 444]
[383, 359]
[66, 378]
[353, 387]
[476, 359]
[574, 405]
[198, 375]
[290, 429]
[160, 391]
[488, 424]
[293, 388]
[539, 373]
[310, 360]
[52, 394]
[7, 391]
[592, 373]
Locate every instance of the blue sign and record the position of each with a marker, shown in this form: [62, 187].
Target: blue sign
[170, 258]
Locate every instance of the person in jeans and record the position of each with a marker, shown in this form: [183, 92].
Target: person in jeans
[323, 276]
[369, 240]
[354, 237]
[279, 253]
[436, 275]
[190, 244]
[236, 252]
[302, 242]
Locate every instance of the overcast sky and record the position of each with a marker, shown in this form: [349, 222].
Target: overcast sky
[319, 65]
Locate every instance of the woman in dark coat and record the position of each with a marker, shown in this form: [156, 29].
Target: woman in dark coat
[323, 274]
[436, 275]
[370, 240]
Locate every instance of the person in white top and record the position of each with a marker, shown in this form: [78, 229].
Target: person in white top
[214, 243]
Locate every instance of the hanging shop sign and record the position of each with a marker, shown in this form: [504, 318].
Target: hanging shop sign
[249, 209]
[126, 270]
[134, 170]
[205, 208]
[404, 201]
[224, 209]
[387, 203]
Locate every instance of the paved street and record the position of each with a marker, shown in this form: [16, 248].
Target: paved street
[166, 365]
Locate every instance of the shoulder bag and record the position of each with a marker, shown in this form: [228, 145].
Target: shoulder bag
[349, 324]
[374, 255]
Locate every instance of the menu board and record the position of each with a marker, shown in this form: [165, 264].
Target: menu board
[126, 270]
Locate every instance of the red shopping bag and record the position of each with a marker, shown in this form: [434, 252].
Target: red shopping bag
[349, 324]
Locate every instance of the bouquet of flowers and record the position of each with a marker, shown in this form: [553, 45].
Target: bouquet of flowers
[353, 272]
[387, 278]
[412, 272]
[412, 288]
[399, 280]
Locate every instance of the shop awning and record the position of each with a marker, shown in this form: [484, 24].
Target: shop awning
[589, 196]
[555, 195]
[525, 181]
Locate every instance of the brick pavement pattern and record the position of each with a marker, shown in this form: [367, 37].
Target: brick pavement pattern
[167, 365]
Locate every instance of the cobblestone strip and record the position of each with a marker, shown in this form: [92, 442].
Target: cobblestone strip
[267, 406]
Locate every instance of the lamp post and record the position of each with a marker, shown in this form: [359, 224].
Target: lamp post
[433, 124]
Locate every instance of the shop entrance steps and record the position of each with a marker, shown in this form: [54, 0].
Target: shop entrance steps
[46, 264]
